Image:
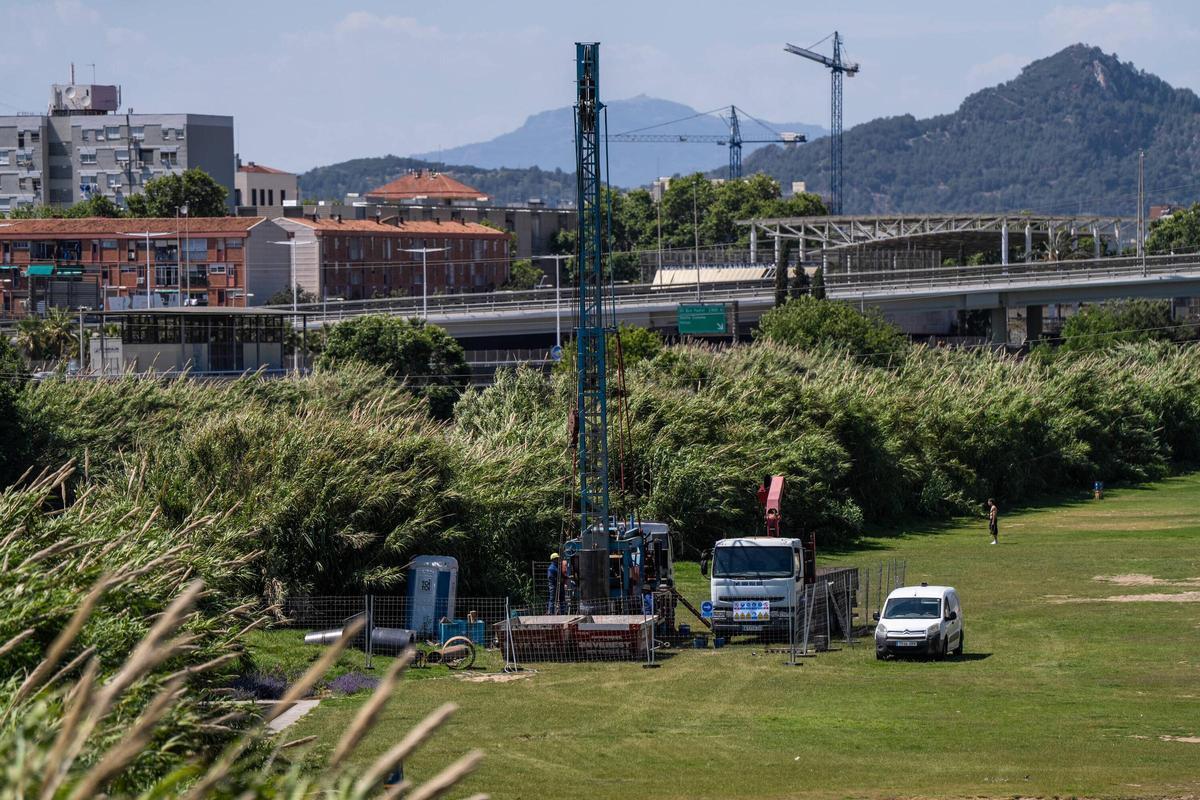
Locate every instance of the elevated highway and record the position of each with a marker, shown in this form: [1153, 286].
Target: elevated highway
[535, 315]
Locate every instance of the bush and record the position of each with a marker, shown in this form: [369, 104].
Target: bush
[430, 361]
[807, 322]
[1101, 326]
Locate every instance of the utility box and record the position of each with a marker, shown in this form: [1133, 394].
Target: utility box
[432, 589]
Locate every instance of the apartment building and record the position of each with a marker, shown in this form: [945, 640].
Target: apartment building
[82, 146]
[124, 264]
[427, 186]
[265, 189]
[358, 259]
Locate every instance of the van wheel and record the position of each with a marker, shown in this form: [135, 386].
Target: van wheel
[958, 651]
[940, 655]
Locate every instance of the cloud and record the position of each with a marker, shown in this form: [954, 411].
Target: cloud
[1110, 25]
[996, 70]
[365, 21]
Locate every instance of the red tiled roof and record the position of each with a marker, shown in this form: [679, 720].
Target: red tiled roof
[250, 166]
[425, 184]
[124, 226]
[423, 227]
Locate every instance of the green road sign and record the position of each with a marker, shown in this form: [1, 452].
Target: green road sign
[702, 319]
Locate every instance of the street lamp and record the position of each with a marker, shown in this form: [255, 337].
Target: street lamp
[557, 296]
[293, 244]
[424, 251]
[185, 279]
[148, 235]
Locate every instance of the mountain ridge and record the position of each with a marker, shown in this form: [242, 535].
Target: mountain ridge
[1062, 136]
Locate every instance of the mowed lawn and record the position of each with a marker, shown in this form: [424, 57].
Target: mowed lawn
[1062, 692]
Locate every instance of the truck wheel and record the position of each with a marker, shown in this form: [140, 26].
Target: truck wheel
[958, 651]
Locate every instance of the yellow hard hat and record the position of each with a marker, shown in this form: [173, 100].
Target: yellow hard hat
[554, 556]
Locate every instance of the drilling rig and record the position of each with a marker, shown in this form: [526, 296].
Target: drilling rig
[614, 560]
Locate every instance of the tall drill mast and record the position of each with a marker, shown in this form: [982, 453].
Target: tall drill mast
[836, 68]
[590, 335]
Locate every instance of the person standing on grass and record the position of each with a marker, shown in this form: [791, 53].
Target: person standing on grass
[993, 523]
[553, 585]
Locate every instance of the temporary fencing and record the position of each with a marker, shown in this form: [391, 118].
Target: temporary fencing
[617, 630]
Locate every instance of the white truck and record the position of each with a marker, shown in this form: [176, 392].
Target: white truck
[755, 583]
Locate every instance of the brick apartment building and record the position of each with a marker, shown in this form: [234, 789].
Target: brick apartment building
[358, 259]
[95, 262]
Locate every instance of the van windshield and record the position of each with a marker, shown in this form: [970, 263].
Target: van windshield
[738, 561]
[913, 608]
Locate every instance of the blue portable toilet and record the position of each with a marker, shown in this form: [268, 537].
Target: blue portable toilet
[432, 588]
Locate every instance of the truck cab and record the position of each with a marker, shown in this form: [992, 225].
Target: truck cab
[756, 583]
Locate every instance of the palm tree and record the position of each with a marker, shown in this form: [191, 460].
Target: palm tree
[60, 341]
[31, 337]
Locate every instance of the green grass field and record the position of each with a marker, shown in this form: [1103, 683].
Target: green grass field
[1062, 692]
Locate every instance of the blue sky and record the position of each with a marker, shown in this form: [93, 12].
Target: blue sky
[311, 83]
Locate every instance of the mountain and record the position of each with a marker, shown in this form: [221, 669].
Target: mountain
[547, 140]
[1061, 137]
[504, 185]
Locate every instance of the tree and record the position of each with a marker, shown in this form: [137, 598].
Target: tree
[1101, 326]
[806, 322]
[1177, 233]
[11, 430]
[637, 344]
[423, 355]
[163, 196]
[800, 283]
[284, 296]
[818, 284]
[781, 272]
[97, 205]
[523, 275]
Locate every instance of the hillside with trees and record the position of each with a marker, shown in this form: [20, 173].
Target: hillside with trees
[503, 185]
[1061, 137]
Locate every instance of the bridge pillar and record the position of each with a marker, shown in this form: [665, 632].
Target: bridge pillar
[999, 325]
[1004, 244]
[1028, 242]
[1033, 323]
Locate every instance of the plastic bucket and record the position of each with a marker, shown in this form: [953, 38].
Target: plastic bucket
[719, 641]
[700, 642]
[685, 630]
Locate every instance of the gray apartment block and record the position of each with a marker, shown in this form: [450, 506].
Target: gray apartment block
[59, 158]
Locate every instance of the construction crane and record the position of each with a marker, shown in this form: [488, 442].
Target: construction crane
[837, 68]
[734, 139]
[591, 333]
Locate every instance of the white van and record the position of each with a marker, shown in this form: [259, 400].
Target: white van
[920, 620]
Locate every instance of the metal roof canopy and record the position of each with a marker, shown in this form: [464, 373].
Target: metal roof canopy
[971, 232]
[232, 311]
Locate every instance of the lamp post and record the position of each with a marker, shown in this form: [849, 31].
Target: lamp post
[185, 280]
[557, 295]
[293, 244]
[424, 251]
[148, 235]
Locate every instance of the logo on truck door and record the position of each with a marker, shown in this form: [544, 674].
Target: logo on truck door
[751, 610]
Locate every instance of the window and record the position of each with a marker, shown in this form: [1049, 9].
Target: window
[179, 133]
[122, 155]
[138, 133]
[355, 248]
[197, 249]
[37, 184]
[753, 562]
[270, 197]
[233, 244]
[20, 138]
[108, 244]
[23, 183]
[112, 132]
[479, 243]
[254, 197]
[913, 608]
[216, 269]
[35, 137]
[166, 133]
[166, 276]
[87, 184]
[41, 250]
[21, 244]
[282, 196]
[5, 157]
[87, 157]
[169, 158]
[24, 158]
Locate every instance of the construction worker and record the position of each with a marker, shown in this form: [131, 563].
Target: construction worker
[554, 584]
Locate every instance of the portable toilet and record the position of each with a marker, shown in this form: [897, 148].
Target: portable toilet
[432, 586]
